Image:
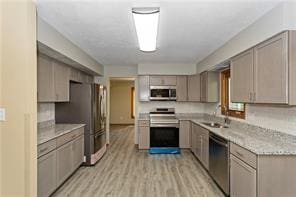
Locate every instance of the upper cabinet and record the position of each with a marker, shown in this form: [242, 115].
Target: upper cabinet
[194, 88]
[209, 85]
[271, 70]
[144, 88]
[266, 73]
[242, 68]
[159, 80]
[61, 82]
[181, 88]
[53, 80]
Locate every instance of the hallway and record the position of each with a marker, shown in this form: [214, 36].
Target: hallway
[125, 171]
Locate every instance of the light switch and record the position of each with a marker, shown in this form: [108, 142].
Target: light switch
[2, 114]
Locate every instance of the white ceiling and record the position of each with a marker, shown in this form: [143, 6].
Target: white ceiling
[188, 30]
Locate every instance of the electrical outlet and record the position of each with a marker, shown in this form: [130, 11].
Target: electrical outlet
[2, 114]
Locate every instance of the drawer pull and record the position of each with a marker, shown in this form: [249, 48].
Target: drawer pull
[239, 154]
[43, 150]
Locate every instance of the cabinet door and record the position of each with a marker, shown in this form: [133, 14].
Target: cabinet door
[192, 138]
[78, 151]
[46, 91]
[144, 137]
[205, 150]
[61, 76]
[74, 75]
[169, 80]
[242, 179]
[194, 88]
[64, 162]
[184, 134]
[271, 70]
[156, 80]
[144, 89]
[181, 88]
[203, 87]
[47, 174]
[242, 75]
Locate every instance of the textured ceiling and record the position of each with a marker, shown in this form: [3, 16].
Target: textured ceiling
[188, 30]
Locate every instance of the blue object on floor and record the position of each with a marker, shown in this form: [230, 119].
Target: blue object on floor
[164, 150]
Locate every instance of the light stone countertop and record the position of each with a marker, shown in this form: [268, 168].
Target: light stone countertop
[51, 132]
[258, 142]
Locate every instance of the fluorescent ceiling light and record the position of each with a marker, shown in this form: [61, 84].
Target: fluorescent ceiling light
[146, 22]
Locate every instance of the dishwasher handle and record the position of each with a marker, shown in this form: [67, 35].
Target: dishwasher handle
[219, 141]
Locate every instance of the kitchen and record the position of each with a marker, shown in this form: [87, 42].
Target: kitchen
[214, 111]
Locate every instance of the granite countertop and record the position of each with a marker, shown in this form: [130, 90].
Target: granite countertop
[51, 132]
[258, 142]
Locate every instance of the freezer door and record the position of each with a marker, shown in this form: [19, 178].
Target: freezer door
[100, 108]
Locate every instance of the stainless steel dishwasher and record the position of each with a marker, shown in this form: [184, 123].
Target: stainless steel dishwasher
[219, 161]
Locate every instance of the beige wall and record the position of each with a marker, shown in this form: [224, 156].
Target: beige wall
[120, 102]
[18, 96]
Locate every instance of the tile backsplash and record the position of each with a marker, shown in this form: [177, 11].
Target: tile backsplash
[46, 112]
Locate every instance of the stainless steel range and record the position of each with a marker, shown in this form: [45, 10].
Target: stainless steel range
[164, 128]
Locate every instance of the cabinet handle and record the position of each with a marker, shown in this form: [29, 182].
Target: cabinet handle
[254, 95]
[57, 96]
[250, 96]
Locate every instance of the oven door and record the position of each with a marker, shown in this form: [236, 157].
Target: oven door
[164, 136]
[99, 141]
[159, 93]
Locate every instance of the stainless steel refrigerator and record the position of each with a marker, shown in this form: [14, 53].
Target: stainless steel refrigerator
[87, 106]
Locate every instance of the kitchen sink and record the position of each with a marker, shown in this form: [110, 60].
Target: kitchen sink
[214, 125]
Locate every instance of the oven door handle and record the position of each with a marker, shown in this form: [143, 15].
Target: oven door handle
[165, 125]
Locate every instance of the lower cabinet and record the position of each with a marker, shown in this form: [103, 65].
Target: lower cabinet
[47, 174]
[64, 162]
[184, 134]
[242, 178]
[78, 149]
[200, 144]
[144, 134]
[56, 166]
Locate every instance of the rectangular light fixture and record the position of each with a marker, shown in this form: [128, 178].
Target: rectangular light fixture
[146, 22]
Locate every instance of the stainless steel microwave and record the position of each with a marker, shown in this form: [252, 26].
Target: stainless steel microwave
[163, 93]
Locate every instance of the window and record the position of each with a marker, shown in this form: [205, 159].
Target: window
[233, 109]
[133, 110]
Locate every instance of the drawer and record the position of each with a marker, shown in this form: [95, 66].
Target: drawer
[46, 147]
[80, 131]
[244, 154]
[69, 137]
[144, 123]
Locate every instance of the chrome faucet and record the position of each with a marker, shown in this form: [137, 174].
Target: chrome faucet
[216, 109]
[226, 116]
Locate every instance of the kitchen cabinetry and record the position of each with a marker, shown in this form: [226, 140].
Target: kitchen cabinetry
[184, 134]
[61, 82]
[261, 175]
[194, 88]
[58, 159]
[45, 84]
[242, 68]
[267, 72]
[165, 80]
[242, 178]
[47, 172]
[200, 144]
[181, 88]
[209, 86]
[64, 162]
[53, 80]
[271, 70]
[144, 88]
[144, 134]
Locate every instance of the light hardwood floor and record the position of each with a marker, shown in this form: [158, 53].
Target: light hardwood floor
[127, 172]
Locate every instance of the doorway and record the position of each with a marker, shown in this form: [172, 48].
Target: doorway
[122, 101]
